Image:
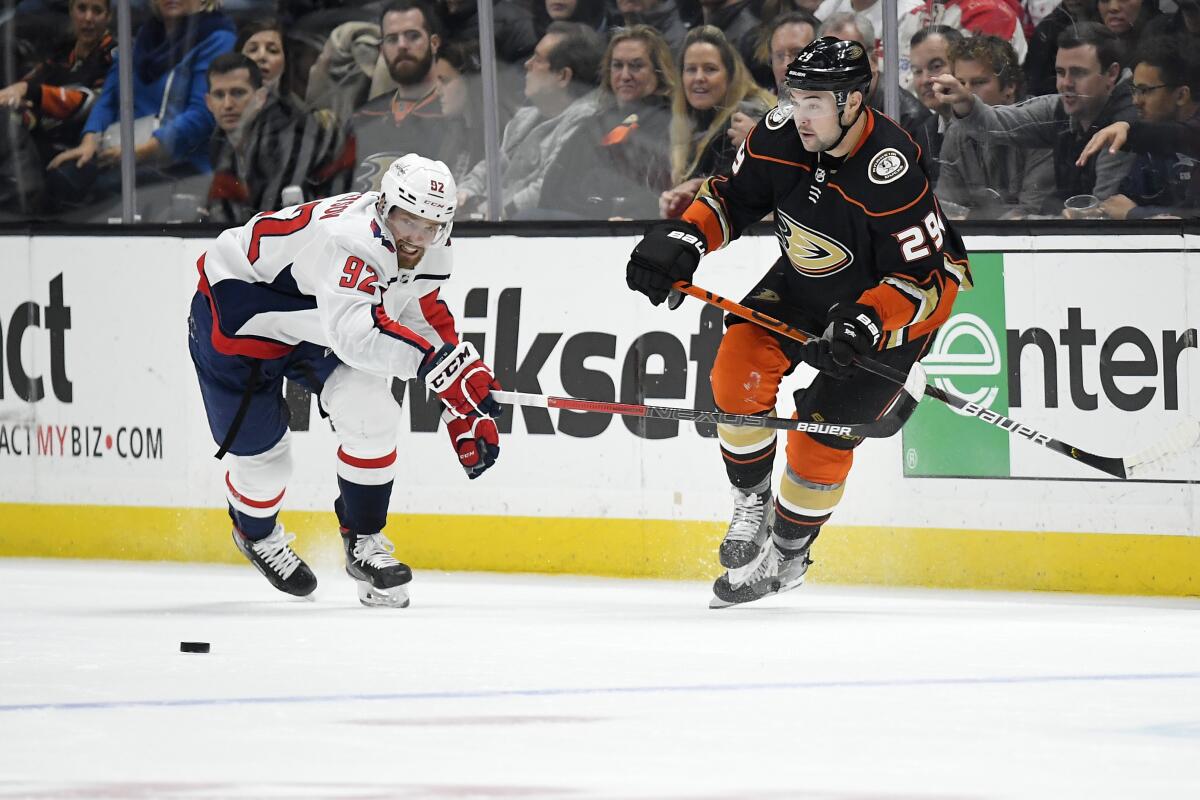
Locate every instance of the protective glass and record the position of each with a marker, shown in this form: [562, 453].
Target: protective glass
[413, 229]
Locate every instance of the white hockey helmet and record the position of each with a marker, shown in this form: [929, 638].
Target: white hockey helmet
[422, 187]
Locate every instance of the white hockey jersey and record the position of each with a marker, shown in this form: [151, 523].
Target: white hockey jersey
[326, 272]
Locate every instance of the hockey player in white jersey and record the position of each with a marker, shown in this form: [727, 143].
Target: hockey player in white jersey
[341, 295]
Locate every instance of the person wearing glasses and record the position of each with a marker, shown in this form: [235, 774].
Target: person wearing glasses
[1166, 88]
[1092, 93]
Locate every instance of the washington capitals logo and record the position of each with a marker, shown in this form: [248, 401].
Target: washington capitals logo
[375, 229]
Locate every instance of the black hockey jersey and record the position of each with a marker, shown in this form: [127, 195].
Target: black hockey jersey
[865, 227]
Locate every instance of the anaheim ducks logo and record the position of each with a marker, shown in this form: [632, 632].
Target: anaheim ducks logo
[778, 117]
[810, 252]
[369, 174]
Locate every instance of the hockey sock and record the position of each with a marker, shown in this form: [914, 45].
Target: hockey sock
[801, 508]
[749, 455]
[366, 489]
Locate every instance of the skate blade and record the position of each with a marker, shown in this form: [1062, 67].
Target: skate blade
[739, 575]
[396, 597]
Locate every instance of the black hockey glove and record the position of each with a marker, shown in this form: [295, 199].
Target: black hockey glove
[852, 329]
[668, 252]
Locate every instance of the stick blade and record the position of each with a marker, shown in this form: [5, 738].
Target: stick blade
[1183, 438]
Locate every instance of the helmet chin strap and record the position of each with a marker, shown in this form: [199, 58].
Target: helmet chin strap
[845, 128]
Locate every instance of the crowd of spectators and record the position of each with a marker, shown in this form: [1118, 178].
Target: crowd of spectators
[608, 109]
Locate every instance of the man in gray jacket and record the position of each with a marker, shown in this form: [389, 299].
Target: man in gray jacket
[1092, 93]
[980, 177]
[559, 79]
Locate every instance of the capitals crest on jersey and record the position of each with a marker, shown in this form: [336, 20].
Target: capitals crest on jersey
[811, 253]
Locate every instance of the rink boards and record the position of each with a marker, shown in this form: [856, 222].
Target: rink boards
[104, 450]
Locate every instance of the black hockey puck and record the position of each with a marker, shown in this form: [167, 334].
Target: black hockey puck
[193, 647]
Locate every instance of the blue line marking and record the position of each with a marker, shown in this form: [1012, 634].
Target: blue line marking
[599, 690]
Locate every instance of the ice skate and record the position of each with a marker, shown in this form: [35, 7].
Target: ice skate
[382, 580]
[743, 548]
[773, 575]
[278, 562]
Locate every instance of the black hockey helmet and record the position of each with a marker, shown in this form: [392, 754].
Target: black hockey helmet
[830, 65]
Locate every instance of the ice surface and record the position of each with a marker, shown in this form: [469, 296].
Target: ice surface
[543, 687]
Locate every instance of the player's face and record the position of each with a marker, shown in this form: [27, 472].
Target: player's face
[816, 118]
[90, 19]
[786, 44]
[1155, 102]
[412, 234]
[631, 72]
[560, 9]
[232, 99]
[1081, 82]
[265, 48]
[407, 48]
[982, 82]
[1119, 15]
[704, 76]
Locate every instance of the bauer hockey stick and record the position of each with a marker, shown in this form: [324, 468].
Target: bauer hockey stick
[887, 424]
[1185, 436]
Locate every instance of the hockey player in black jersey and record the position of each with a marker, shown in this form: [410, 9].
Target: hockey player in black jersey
[867, 258]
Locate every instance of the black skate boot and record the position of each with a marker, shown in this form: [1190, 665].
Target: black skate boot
[278, 562]
[774, 574]
[743, 547]
[382, 580]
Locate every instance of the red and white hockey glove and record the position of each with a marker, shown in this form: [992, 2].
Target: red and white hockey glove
[475, 439]
[462, 380]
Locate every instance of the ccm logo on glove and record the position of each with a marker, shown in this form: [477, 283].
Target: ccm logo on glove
[459, 376]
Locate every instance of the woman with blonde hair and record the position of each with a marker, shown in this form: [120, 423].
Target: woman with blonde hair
[172, 125]
[617, 163]
[716, 85]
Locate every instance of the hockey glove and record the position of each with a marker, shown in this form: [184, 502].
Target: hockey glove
[852, 329]
[475, 439]
[458, 376]
[669, 252]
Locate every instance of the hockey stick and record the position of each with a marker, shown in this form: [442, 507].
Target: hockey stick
[1183, 438]
[887, 424]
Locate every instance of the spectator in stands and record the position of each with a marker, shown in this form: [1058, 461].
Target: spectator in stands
[873, 10]
[1127, 19]
[783, 34]
[786, 35]
[737, 21]
[618, 162]
[264, 42]
[265, 147]
[991, 179]
[560, 78]
[350, 71]
[920, 122]
[515, 37]
[929, 57]
[662, 15]
[1001, 18]
[1043, 45]
[52, 103]
[715, 84]
[591, 13]
[414, 118]
[1185, 22]
[1166, 88]
[171, 55]
[1092, 94]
